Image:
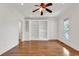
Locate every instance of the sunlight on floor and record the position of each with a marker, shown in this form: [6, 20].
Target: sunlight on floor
[66, 52]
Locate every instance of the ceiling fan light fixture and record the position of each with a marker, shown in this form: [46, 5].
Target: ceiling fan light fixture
[41, 9]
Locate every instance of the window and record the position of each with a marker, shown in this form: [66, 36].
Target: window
[39, 29]
[66, 28]
[36, 29]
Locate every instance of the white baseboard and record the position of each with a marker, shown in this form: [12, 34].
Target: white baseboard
[6, 49]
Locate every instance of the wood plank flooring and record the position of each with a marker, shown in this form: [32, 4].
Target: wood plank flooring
[41, 48]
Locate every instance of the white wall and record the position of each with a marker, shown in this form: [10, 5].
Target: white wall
[52, 29]
[73, 14]
[9, 19]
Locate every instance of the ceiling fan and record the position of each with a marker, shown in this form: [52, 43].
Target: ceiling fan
[42, 7]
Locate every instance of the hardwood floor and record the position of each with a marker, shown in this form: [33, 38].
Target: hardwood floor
[42, 48]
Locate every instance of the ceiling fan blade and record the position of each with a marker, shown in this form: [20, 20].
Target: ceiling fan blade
[36, 10]
[36, 5]
[48, 10]
[41, 12]
[49, 4]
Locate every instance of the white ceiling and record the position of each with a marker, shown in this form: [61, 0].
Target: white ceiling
[27, 8]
